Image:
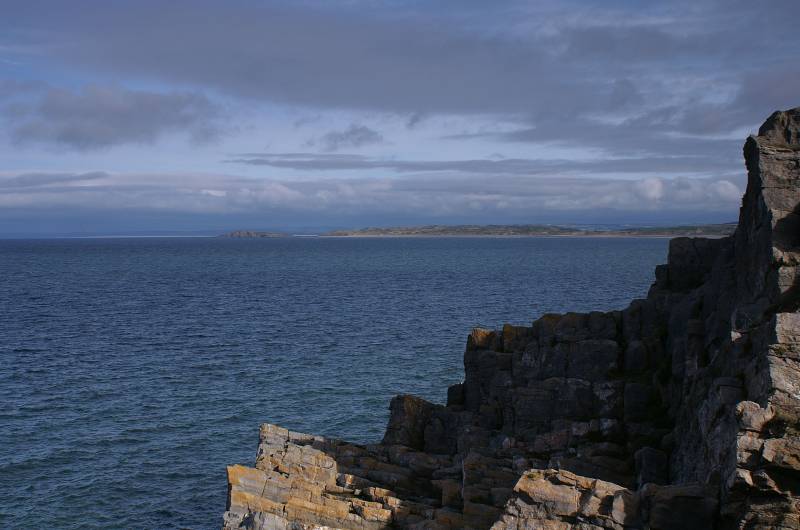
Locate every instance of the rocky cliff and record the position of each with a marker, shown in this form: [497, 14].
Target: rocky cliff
[681, 411]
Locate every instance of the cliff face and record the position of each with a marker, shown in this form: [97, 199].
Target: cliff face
[681, 411]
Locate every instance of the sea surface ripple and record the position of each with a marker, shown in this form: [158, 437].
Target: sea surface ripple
[134, 370]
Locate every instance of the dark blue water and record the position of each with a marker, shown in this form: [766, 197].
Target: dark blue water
[133, 370]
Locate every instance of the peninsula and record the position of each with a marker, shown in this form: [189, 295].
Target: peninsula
[253, 234]
[523, 230]
[713, 230]
[681, 411]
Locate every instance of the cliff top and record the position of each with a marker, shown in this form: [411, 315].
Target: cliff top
[782, 127]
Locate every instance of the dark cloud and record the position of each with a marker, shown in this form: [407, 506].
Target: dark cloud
[618, 76]
[351, 56]
[354, 136]
[97, 117]
[395, 57]
[652, 135]
[415, 119]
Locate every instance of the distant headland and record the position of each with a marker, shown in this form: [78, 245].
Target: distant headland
[707, 230]
[253, 234]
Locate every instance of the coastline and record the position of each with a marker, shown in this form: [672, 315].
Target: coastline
[518, 236]
[715, 230]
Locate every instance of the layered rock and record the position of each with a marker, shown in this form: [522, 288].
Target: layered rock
[681, 411]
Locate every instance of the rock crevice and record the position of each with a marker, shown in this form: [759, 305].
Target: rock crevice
[680, 411]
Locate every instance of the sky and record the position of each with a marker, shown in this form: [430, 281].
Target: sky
[187, 117]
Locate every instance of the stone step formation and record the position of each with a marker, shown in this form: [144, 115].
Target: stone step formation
[681, 411]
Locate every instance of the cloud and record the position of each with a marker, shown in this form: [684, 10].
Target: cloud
[632, 97]
[33, 180]
[415, 119]
[561, 59]
[449, 198]
[354, 136]
[652, 134]
[625, 79]
[489, 166]
[97, 117]
[11, 88]
[651, 189]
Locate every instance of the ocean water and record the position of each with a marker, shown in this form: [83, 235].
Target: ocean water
[132, 371]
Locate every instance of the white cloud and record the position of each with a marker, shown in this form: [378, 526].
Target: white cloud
[651, 189]
[420, 194]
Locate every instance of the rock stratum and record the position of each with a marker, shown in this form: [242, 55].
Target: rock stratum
[681, 411]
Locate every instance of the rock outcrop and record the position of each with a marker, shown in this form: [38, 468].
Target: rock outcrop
[681, 411]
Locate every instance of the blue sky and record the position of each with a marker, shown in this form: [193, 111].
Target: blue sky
[126, 117]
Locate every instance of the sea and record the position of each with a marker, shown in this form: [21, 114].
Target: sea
[133, 370]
